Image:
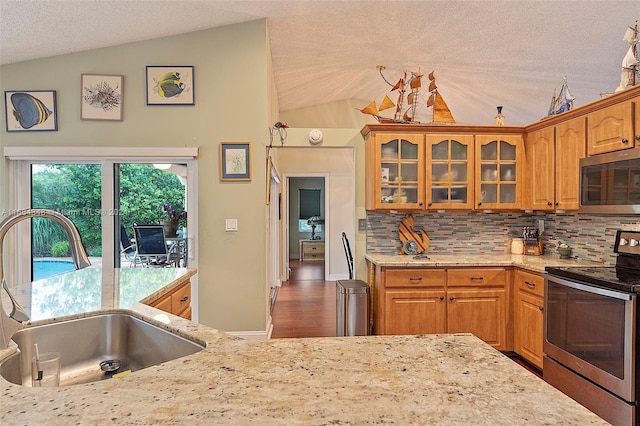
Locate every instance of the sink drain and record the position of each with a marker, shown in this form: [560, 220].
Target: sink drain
[110, 365]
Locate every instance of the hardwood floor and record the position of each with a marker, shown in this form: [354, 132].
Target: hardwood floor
[305, 306]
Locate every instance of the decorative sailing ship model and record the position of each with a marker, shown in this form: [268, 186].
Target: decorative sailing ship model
[409, 101]
[563, 102]
[630, 68]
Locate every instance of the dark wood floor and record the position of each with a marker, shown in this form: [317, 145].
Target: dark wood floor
[305, 306]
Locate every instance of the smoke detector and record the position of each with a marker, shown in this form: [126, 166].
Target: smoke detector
[315, 137]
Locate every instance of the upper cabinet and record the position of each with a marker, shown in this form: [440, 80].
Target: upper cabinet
[395, 172]
[449, 174]
[611, 128]
[498, 171]
[553, 166]
[428, 169]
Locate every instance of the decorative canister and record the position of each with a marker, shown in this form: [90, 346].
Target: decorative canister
[517, 246]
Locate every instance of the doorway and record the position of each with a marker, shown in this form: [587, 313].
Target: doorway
[307, 219]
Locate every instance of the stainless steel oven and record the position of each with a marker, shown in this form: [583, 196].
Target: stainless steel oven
[591, 333]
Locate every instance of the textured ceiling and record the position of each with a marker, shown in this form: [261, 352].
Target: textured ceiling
[484, 53]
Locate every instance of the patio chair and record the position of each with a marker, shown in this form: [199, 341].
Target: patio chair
[128, 249]
[151, 247]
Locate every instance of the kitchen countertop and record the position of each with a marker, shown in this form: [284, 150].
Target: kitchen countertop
[531, 263]
[438, 379]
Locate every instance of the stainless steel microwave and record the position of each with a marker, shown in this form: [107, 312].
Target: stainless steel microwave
[610, 183]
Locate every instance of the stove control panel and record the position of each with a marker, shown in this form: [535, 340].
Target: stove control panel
[627, 242]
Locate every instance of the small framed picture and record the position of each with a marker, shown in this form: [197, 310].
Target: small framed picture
[170, 85]
[31, 110]
[235, 161]
[101, 97]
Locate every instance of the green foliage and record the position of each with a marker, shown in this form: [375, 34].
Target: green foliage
[75, 191]
[60, 249]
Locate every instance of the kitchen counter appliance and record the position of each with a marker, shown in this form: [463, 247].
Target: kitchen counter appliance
[592, 333]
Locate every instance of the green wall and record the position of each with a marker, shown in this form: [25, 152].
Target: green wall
[232, 103]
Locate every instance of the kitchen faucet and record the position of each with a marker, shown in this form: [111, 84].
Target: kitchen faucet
[12, 322]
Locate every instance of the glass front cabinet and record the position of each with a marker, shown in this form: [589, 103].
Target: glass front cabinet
[498, 171]
[398, 172]
[429, 171]
[450, 172]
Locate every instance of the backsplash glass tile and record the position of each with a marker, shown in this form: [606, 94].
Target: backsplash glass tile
[591, 236]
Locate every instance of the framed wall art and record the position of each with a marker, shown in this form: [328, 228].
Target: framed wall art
[101, 97]
[170, 85]
[30, 110]
[235, 161]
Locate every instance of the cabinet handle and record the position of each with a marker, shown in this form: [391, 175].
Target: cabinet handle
[625, 140]
[451, 298]
[479, 203]
[441, 297]
[638, 137]
[415, 278]
[541, 308]
[557, 204]
[549, 203]
[477, 278]
[530, 284]
[430, 204]
[420, 203]
[184, 299]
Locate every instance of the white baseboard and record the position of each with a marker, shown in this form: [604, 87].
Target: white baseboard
[254, 335]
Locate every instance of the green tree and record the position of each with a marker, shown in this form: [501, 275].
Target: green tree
[75, 191]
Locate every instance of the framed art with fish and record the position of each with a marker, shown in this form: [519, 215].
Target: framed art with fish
[30, 110]
[101, 97]
[170, 85]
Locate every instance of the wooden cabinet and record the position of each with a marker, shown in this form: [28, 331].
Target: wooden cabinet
[426, 169]
[611, 128]
[178, 302]
[311, 250]
[449, 177]
[529, 316]
[553, 166]
[458, 300]
[498, 173]
[395, 171]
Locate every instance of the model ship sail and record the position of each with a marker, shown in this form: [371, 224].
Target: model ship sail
[410, 100]
[630, 68]
[563, 102]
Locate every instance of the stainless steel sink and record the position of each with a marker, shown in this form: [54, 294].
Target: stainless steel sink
[118, 341]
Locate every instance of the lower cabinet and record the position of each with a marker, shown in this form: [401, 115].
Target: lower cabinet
[528, 330]
[178, 302]
[427, 301]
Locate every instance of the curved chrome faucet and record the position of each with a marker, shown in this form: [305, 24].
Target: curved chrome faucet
[12, 322]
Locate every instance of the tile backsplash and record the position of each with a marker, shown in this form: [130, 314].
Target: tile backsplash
[591, 236]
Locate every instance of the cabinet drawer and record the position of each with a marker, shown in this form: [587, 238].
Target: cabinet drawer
[181, 299]
[531, 283]
[414, 278]
[476, 277]
[313, 248]
[163, 304]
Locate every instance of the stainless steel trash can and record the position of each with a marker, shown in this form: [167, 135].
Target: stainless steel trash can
[352, 310]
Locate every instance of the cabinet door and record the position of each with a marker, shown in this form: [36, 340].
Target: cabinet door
[570, 148]
[498, 172]
[528, 329]
[415, 312]
[610, 129]
[449, 177]
[398, 178]
[481, 312]
[541, 170]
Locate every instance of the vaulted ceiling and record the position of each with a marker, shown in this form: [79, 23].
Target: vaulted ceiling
[484, 53]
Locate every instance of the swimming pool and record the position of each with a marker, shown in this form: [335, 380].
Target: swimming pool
[47, 268]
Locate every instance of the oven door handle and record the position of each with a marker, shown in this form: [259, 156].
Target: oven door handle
[590, 288]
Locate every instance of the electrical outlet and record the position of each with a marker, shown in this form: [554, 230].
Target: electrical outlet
[362, 224]
[231, 225]
[540, 226]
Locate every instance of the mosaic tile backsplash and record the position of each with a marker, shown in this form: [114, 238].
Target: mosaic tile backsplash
[590, 236]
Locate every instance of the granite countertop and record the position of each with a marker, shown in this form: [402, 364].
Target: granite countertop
[433, 379]
[531, 263]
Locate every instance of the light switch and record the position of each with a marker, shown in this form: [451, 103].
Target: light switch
[231, 225]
